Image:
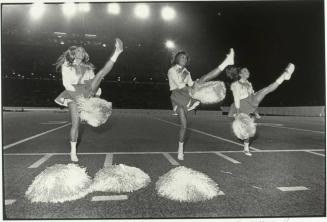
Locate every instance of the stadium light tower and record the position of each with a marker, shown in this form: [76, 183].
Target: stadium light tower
[142, 11]
[69, 9]
[37, 10]
[168, 13]
[170, 44]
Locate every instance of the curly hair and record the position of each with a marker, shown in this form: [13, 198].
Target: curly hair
[174, 58]
[69, 57]
[233, 72]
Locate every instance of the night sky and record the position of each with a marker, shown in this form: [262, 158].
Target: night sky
[265, 36]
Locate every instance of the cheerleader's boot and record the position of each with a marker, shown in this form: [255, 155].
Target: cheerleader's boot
[289, 71]
[247, 149]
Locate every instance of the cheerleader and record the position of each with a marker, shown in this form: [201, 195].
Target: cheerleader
[79, 80]
[245, 99]
[180, 82]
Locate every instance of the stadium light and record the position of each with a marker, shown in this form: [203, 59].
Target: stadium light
[37, 10]
[84, 7]
[168, 13]
[69, 9]
[142, 11]
[113, 8]
[170, 44]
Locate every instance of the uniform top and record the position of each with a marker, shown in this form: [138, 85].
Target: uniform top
[70, 77]
[241, 89]
[179, 77]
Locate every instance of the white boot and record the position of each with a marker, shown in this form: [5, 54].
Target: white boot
[247, 149]
[228, 61]
[289, 71]
[180, 155]
[73, 156]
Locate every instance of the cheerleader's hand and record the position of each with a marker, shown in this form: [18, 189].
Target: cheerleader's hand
[119, 46]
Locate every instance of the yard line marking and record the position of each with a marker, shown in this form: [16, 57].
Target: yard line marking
[227, 158]
[297, 129]
[255, 149]
[109, 159]
[297, 188]
[221, 193]
[35, 136]
[107, 198]
[257, 187]
[226, 172]
[170, 159]
[190, 152]
[40, 161]
[9, 202]
[54, 122]
[319, 154]
[204, 133]
[269, 124]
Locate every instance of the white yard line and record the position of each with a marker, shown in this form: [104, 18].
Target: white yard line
[33, 137]
[227, 158]
[204, 133]
[109, 198]
[297, 129]
[40, 161]
[9, 202]
[319, 154]
[170, 159]
[287, 189]
[160, 153]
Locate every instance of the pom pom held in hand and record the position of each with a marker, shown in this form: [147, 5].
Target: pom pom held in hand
[120, 178]
[244, 126]
[209, 92]
[59, 183]
[186, 185]
[94, 111]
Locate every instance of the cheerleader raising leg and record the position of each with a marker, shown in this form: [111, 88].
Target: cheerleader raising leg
[79, 80]
[245, 99]
[180, 82]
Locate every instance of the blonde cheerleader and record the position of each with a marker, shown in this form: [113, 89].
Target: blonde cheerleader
[245, 99]
[79, 80]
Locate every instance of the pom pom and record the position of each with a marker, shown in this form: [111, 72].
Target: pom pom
[209, 92]
[94, 111]
[59, 183]
[120, 178]
[244, 126]
[186, 185]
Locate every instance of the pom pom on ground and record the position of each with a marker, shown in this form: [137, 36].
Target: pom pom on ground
[209, 92]
[186, 185]
[59, 183]
[94, 111]
[244, 126]
[120, 178]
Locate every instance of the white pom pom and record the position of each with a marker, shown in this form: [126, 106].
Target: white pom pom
[209, 92]
[59, 183]
[120, 178]
[94, 111]
[186, 185]
[244, 126]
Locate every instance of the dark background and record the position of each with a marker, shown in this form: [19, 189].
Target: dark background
[265, 36]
